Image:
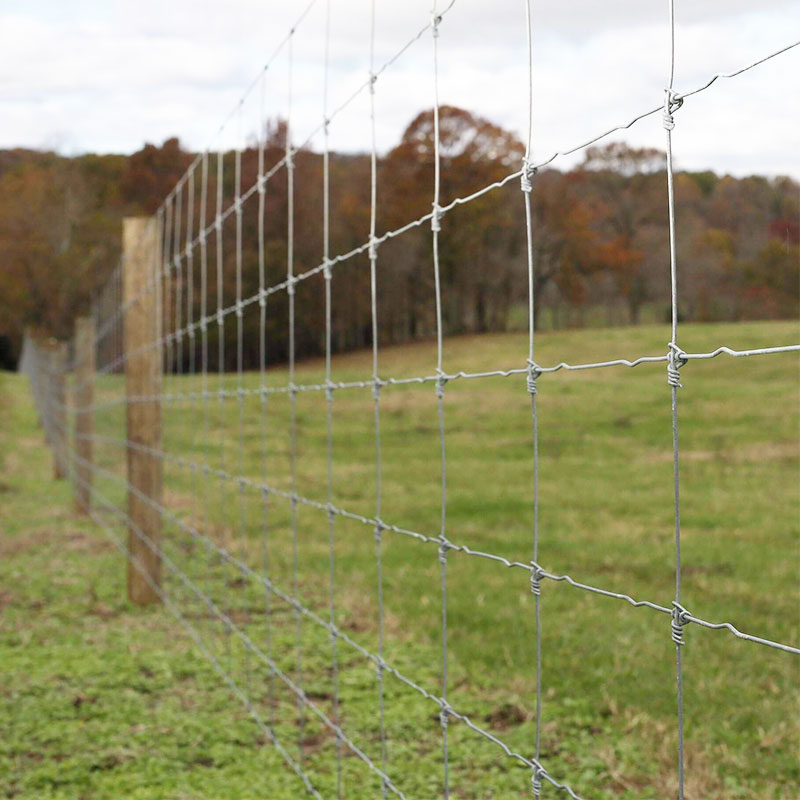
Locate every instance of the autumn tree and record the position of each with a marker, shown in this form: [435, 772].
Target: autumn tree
[57, 239]
[481, 257]
[599, 235]
[151, 173]
[625, 185]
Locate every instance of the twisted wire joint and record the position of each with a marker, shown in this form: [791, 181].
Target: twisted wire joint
[676, 359]
[441, 380]
[536, 780]
[672, 102]
[537, 573]
[533, 373]
[436, 224]
[680, 617]
[528, 171]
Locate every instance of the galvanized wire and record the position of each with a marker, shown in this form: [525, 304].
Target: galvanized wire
[177, 296]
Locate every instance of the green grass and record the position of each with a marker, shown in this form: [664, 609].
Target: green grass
[100, 699]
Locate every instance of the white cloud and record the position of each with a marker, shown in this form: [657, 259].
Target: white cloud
[108, 76]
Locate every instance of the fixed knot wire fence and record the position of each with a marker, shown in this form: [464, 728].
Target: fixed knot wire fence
[324, 533]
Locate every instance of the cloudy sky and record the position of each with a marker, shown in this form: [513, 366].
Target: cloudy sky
[109, 75]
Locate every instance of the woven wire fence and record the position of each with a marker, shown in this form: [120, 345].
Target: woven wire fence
[234, 516]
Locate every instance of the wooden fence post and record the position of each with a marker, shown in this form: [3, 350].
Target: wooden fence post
[84, 412]
[58, 366]
[142, 380]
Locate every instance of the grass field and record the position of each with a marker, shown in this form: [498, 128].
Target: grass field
[103, 700]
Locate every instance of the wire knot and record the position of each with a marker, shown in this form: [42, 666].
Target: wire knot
[528, 171]
[329, 387]
[290, 286]
[537, 573]
[262, 184]
[536, 780]
[443, 548]
[534, 371]
[444, 714]
[441, 380]
[680, 617]
[672, 102]
[676, 359]
[435, 20]
[436, 224]
[373, 248]
[326, 269]
[372, 79]
[262, 298]
[378, 532]
[376, 389]
[239, 309]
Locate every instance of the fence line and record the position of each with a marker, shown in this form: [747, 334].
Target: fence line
[166, 294]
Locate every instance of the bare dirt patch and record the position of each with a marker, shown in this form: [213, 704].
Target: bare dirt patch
[6, 599]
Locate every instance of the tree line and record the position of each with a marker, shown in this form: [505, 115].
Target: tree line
[600, 239]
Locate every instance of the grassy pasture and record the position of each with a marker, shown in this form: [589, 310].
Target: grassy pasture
[103, 700]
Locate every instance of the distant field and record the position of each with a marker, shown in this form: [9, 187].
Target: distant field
[100, 700]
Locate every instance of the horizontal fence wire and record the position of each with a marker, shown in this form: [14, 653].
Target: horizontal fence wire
[536, 571]
[195, 286]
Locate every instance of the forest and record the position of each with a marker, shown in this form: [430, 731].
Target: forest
[599, 230]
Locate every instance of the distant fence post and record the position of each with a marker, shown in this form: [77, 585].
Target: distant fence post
[142, 357]
[84, 412]
[46, 384]
[58, 369]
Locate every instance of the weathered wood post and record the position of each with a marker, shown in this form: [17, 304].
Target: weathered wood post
[84, 412]
[142, 380]
[58, 367]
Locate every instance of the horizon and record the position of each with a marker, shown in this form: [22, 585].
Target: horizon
[381, 155]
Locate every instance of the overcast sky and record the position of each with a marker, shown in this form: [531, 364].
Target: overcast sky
[110, 75]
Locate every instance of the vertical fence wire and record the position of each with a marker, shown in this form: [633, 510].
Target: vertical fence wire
[290, 289]
[327, 277]
[376, 392]
[436, 19]
[671, 105]
[527, 186]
